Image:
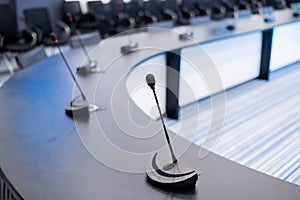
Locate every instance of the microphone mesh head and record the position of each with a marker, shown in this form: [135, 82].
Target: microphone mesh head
[150, 81]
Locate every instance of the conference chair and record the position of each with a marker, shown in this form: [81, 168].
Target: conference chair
[196, 12]
[255, 6]
[7, 190]
[105, 25]
[217, 12]
[277, 4]
[243, 5]
[113, 12]
[84, 22]
[194, 7]
[134, 9]
[231, 7]
[155, 12]
[13, 40]
[182, 18]
[38, 19]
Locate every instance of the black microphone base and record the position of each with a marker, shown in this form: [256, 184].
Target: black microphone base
[171, 175]
[80, 108]
[186, 36]
[129, 48]
[269, 19]
[89, 68]
[231, 27]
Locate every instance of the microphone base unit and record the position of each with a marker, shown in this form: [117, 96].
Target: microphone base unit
[296, 9]
[269, 19]
[186, 35]
[267, 13]
[231, 24]
[231, 27]
[80, 108]
[89, 68]
[177, 175]
[129, 48]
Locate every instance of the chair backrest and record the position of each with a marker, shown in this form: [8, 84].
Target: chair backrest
[170, 4]
[31, 57]
[103, 9]
[189, 3]
[132, 7]
[38, 17]
[110, 9]
[96, 8]
[210, 4]
[8, 23]
[72, 7]
[7, 191]
[152, 6]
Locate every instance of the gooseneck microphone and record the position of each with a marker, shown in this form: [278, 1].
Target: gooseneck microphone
[92, 65]
[55, 41]
[78, 107]
[83, 47]
[164, 174]
[151, 83]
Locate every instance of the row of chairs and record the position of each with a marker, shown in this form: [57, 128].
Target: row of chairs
[113, 17]
[19, 50]
[117, 15]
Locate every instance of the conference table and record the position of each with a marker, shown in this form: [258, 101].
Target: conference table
[47, 155]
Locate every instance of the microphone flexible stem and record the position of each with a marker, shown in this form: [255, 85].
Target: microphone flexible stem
[65, 60]
[83, 46]
[174, 159]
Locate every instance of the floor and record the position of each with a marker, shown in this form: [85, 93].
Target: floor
[261, 126]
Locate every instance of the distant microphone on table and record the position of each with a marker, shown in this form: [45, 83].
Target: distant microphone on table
[186, 35]
[79, 105]
[296, 8]
[91, 66]
[130, 47]
[267, 13]
[232, 25]
[175, 174]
